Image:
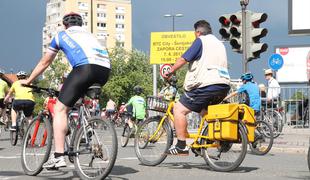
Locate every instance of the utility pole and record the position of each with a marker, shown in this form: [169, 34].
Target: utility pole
[243, 4]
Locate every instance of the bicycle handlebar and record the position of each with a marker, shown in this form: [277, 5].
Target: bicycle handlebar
[38, 89]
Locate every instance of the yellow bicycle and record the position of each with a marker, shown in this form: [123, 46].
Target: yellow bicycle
[221, 138]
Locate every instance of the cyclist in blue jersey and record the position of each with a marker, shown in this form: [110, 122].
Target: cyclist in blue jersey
[90, 64]
[251, 89]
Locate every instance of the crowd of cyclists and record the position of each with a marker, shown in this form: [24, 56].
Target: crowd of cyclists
[206, 83]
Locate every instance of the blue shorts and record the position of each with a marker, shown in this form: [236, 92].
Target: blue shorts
[201, 98]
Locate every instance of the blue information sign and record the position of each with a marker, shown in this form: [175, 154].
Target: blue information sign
[275, 62]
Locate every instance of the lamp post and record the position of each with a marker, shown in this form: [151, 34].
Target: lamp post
[173, 16]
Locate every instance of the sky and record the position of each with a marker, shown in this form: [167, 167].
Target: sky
[22, 22]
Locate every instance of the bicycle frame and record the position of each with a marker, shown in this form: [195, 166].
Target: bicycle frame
[194, 136]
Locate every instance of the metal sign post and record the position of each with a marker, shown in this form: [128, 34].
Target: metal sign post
[243, 4]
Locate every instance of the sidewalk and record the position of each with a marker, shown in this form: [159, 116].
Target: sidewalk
[292, 140]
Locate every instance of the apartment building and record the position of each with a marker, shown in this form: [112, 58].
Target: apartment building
[108, 20]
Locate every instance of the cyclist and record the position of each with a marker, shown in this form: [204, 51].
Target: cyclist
[206, 82]
[169, 91]
[23, 99]
[251, 90]
[273, 93]
[138, 106]
[90, 64]
[3, 90]
[111, 107]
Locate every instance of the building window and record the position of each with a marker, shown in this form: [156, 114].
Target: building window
[120, 9]
[101, 15]
[120, 26]
[101, 25]
[84, 15]
[120, 16]
[83, 5]
[101, 7]
[120, 37]
[84, 23]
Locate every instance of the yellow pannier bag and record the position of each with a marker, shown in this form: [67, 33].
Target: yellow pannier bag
[223, 122]
[249, 120]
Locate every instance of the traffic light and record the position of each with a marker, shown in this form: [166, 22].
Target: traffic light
[236, 32]
[225, 29]
[254, 34]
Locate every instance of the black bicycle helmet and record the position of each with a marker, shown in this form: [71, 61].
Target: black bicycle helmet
[137, 90]
[72, 19]
[173, 80]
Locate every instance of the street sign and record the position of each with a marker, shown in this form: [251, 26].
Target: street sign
[166, 47]
[275, 62]
[164, 68]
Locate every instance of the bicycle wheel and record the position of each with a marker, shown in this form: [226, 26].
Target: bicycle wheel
[153, 152]
[308, 158]
[263, 140]
[36, 145]
[275, 120]
[96, 153]
[229, 155]
[125, 136]
[14, 136]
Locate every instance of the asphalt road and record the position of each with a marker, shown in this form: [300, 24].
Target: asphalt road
[273, 166]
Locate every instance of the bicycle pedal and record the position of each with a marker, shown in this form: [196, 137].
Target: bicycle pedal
[197, 152]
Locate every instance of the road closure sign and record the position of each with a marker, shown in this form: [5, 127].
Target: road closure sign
[166, 47]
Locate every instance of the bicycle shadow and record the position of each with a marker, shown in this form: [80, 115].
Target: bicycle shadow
[122, 170]
[190, 165]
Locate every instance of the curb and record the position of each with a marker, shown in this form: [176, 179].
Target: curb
[300, 150]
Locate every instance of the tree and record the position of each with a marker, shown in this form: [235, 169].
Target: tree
[128, 70]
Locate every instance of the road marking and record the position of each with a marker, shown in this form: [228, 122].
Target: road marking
[5, 178]
[9, 157]
[129, 158]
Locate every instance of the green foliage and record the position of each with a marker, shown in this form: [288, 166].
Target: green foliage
[128, 70]
[52, 78]
[298, 96]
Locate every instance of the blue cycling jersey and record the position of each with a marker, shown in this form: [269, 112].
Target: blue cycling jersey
[80, 47]
[253, 91]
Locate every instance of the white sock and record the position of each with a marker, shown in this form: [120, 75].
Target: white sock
[13, 124]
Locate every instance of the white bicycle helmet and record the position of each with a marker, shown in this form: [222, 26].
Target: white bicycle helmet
[21, 73]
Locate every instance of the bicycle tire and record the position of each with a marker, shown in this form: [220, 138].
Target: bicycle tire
[46, 127]
[125, 136]
[276, 122]
[225, 148]
[263, 132]
[308, 158]
[145, 131]
[94, 125]
[14, 136]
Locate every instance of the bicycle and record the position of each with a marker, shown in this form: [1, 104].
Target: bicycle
[274, 118]
[130, 132]
[83, 144]
[308, 156]
[21, 127]
[224, 135]
[263, 138]
[6, 116]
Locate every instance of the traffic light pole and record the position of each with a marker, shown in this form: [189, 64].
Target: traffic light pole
[243, 4]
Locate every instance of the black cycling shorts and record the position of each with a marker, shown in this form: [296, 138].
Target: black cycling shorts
[201, 98]
[27, 106]
[2, 106]
[79, 80]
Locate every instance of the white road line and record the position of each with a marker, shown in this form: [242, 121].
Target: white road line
[9, 157]
[128, 158]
